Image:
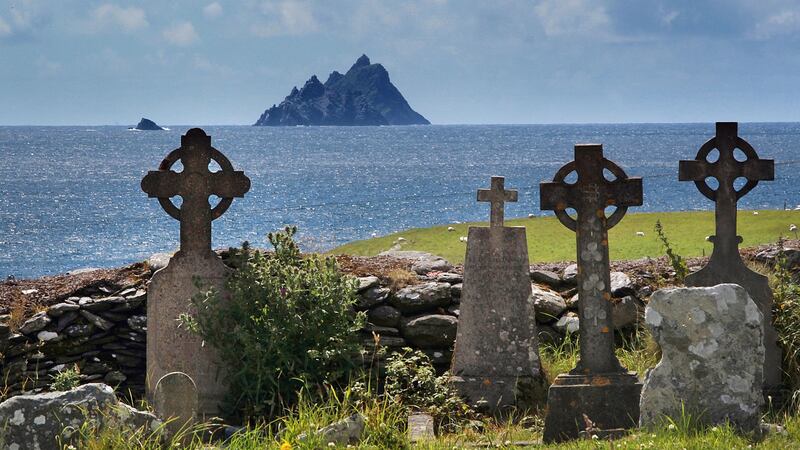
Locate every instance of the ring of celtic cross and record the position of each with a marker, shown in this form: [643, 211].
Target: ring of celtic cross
[702, 155]
[175, 156]
[569, 168]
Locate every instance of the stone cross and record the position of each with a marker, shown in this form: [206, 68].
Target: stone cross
[497, 196]
[725, 264]
[598, 373]
[171, 348]
[195, 184]
[496, 357]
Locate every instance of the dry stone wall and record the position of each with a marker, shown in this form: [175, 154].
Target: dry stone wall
[104, 333]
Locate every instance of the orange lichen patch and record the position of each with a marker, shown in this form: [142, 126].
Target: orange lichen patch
[487, 382]
[560, 206]
[600, 213]
[611, 202]
[604, 242]
[600, 381]
[607, 296]
[604, 330]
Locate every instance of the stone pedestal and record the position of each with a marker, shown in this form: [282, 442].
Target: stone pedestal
[609, 401]
[496, 359]
[171, 348]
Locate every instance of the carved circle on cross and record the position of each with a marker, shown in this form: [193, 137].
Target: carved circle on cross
[175, 156]
[707, 148]
[570, 168]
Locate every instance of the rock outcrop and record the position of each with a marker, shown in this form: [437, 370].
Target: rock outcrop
[712, 361]
[44, 421]
[362, 96]
[147, 125]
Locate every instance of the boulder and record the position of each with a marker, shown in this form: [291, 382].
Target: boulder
[569, 323]
[546, 277]
[422, 262]
[38, 421]
[449, 277]
[343, 432]
[35, 323]
[621, 285]
[384, 316]
[421, 297]
[547, 304]
[770, 256]
[59, 309]
[371, 297]
[712, 360]
[570, 275]
[365, 283]
[433, 331]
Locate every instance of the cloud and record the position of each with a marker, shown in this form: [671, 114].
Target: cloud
[212, 10]
[571, 17]
[112, 16]
[5, 28]
[181, 34]
[285, 18]
[782, 23]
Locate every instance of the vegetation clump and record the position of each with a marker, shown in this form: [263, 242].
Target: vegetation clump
[286, 326]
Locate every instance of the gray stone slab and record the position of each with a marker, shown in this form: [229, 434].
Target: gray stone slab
[175, 400]
[420, 427]
[496, 359]
[725, 264]
[712, 350]
[170, 348]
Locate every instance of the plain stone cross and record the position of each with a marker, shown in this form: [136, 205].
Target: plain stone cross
[497, 196]
[725, 264]
[195, 184]
[598, 387]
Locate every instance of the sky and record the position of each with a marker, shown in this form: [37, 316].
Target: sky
[71, 62]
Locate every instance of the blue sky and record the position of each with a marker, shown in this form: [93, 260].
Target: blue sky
[499, 61]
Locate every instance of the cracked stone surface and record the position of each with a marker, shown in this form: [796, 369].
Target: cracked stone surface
[712, 360]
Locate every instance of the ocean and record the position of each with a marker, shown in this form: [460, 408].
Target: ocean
[70, 196]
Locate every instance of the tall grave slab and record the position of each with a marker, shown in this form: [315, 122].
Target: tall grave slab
[171, 348]
[725, 264]
[598, 387]
[496, 359]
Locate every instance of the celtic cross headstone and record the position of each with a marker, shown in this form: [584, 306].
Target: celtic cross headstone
[171, 348]
[496, 359]
[598, 387]
[725, 264]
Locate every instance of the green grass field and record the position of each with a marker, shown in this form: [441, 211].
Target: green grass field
[548, 240]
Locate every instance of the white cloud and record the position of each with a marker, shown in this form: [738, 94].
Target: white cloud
[285, 18]
[181, 34]
[784, 22]
[5, 28]
[108, 15]
[212, 10]
[571, 17]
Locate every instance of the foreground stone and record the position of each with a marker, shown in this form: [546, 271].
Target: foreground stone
[345, 431]
[712, 357]
[40, 421]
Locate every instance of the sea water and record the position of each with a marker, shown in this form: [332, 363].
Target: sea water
[70, 197]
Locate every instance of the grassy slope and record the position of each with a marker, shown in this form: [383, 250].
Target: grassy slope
[548, 240]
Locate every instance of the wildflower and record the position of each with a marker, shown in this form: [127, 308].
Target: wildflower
[595, 437]
[286, 446]
[331, 444]
[671, 426]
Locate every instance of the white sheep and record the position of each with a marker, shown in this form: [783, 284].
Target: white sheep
[755, 213]
[451, 229]
[640, 233]
[792, 227]
[531, 216]
[463, 239]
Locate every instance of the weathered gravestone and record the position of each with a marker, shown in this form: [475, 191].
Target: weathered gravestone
[496, 358]
[171, 348]
[598, 387]
[175, 400]
[712, 357]
[725, 264]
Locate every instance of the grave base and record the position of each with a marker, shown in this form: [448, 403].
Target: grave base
[609, 400]
[493, 395]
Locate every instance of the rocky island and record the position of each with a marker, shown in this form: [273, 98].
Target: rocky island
[147, 125]
[362, 96]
